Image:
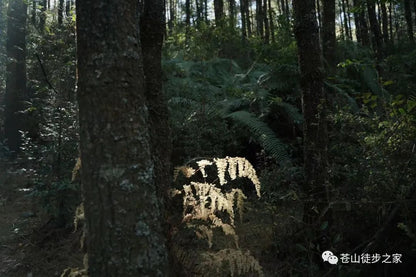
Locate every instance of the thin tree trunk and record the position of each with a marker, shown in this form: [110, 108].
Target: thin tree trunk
[342, 29]
[271, 20]
[231, 9]
[266, 23]
[347, 10]
[328, 34]
[391, 23]
[248, 20]
[42, 18]
[259, 18]
[187, 19]
[16, 74]
[218, 11]
[358, 31]
[384, 19]
[313, 102]
[171, 15]
[243, 20]
[344, 11]
[408, 16]
[363, 25]
[60, 12]
[123, 218]
[375, 30]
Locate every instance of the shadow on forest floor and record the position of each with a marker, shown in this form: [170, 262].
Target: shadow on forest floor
[28, 246]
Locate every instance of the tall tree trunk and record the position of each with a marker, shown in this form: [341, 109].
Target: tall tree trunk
[123, 219]
[199, 15]
[363, 24]
[342, 29]
[16, 74]
[232, 13]
[318, 12]
[259, 18]
[266, 23]
[384, 19]
[313, 106]
[33, 18]
[243, 20]
[60, 12]
[375, 29]
[187, 19]
[42, 18]
[152, 27]
[357, 23]
[347, 10]
[248, 20]
[408, 16]
[218, 11]
[171, 15]
[391, 23]
[67, 8]
[271, 20]
[328, 34]
[344, 11]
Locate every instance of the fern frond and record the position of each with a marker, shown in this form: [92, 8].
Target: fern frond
[263, 134]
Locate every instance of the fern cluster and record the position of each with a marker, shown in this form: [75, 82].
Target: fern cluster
[208, 207]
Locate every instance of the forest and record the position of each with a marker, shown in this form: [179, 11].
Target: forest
[207, 138]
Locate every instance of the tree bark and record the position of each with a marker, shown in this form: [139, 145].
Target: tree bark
[408, 16]
[271, 21]
[60, 12]
[243, 20]
[259, 18]
[357, 22]
[123, 219]
[42, 17]
[152, 26]
[266, 23]
[231, 9]
[384, 19]
[375, 29]
[328, 34]
[16, 74]
[313, 105]
[218, 11]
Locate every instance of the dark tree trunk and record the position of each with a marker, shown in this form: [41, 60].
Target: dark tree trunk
[33, 18]
[60, 12]
[385, 22]
[67, 7]
[42, 18]
[313, 106]
[347, 10]
[363, 25]
[16, 74]
[391, 23]
[218, 11]
[271, 20]
[408, 16]
[199, 14]
[123, 219]
[152, 27]
[172, 15]
[357, 23]
[187, 19]
[375, 29]
[266, 23]
[259, 18]
[247, 16]
[232, 13]
[243, 20]
[328, 34]
[344, 11]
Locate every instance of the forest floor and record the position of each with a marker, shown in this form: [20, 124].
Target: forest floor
[29, 245]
